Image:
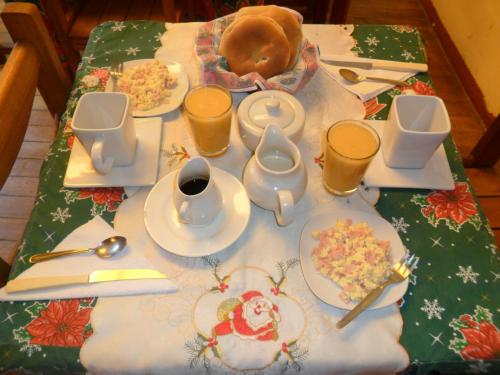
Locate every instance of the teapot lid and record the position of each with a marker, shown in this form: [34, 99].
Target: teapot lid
[271, 107]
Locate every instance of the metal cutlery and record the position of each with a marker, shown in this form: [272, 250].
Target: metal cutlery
[106, 249]
[99, 276]
[400, 272]
[364, 63]
[116, 72]
[354, 77]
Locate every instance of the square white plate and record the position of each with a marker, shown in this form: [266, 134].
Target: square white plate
[143, 172]
[435, 175]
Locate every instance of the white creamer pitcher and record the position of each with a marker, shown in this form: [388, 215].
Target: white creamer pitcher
[275, 177]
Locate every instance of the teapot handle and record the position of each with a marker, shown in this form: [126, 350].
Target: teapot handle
[284, 210]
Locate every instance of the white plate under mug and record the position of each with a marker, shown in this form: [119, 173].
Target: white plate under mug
[177, 93]
[326, 289]
[80, 173]
[162, 224]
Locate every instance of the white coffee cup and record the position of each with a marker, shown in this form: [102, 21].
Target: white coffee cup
[196, 196]
[416, 126]
[104, 124]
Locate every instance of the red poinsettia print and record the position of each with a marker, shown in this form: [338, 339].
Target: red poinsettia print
[457, 205]
[61, 324]
[70, 141]
[109, 197]
[483, 342]
[419, 88]
[372, 107]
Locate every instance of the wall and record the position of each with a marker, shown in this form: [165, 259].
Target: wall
[474, 27]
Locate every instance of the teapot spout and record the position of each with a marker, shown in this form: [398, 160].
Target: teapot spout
[275, 142]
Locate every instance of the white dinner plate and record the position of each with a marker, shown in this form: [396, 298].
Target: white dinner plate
[160, 217]
[326, 289]
[80, 172]
[178, 92]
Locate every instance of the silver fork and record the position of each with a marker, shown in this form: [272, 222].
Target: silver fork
[400, 272]
[116, 72]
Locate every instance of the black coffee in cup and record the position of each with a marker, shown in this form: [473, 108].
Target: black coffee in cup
[194, 186]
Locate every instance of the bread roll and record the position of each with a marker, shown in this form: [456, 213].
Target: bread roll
[288, 21]
[255, 44]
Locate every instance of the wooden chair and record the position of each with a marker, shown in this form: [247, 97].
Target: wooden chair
[73, 22]
[487, 151]
[318, 11]
[33, 62]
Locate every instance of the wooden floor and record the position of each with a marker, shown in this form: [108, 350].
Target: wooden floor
[18, 194]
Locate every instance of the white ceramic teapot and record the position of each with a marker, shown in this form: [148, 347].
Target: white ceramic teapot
[275, 177]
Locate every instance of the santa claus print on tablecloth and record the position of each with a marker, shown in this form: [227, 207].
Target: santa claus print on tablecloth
[251, 324]
[252, 316]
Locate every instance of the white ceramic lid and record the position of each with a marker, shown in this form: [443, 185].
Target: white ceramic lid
[259, 109]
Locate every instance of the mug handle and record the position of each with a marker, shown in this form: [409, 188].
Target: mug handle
[184, 212]
[284, 210]
[101, 166]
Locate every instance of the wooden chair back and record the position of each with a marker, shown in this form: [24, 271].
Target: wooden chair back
[72, 24]
[18, 80]
[25, 24]
[32, 63]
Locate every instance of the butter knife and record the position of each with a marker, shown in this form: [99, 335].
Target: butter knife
[99, 276]
[374, 64]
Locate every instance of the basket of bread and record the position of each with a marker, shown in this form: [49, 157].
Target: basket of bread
[256, 48]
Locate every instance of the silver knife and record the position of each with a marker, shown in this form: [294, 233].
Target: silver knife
[99, 276]
[374, 64]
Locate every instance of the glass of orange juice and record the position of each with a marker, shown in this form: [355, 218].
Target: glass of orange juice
[350, 147]
[209, 110]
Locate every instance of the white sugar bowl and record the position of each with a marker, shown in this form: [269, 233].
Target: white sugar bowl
[262, 108]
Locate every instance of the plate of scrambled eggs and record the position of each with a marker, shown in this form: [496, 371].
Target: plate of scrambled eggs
[155, 86]
[346, 254]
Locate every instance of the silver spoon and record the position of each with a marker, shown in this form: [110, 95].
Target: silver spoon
[106, 249]
[354, 77]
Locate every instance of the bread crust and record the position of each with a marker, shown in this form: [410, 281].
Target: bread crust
[255, 44]
[289, 22]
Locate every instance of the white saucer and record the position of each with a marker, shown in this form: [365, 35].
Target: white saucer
[178, 92]
[143, 172]
[160, 217]
[435, 175]
[326, 289]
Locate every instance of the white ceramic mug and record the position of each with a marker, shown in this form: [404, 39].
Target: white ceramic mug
[416, 126]
[104, 124]
[196, 196]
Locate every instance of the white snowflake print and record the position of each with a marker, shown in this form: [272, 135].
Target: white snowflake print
[432, 309]
[61, 215]
[158, 37]
[372, 41]
[118, 26]
[493, 248]
[88, 59]
[399, 224]
[407, 55]
[134, 26]
[132, 51]
[467, 274]
[480, 367]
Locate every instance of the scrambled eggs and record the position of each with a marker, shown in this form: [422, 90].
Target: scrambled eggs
[351, 256]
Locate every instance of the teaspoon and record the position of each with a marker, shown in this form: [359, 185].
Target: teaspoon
[354, 77]
[106, 249]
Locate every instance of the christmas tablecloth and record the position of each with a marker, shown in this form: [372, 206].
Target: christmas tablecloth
[450, 311]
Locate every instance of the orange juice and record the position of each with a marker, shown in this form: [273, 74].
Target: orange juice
[350, 147]
[208, 108]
